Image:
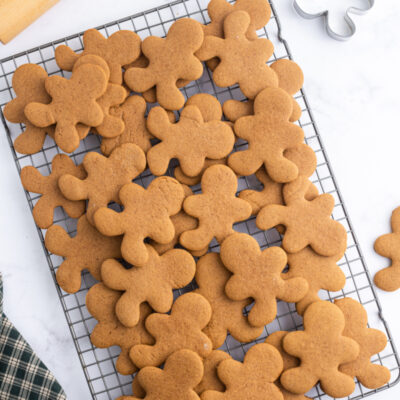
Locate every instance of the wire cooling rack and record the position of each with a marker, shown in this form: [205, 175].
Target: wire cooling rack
[99, 364]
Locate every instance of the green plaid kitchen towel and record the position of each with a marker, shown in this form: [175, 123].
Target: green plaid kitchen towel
[22, 375]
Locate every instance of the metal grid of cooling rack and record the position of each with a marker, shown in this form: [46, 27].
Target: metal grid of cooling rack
[99, 364]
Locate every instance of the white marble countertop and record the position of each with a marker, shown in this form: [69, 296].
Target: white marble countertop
[353, 88]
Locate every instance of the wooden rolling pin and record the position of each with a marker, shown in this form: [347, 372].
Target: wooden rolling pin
[16, 15]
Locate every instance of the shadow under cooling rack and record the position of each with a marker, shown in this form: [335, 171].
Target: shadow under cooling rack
[99, 364]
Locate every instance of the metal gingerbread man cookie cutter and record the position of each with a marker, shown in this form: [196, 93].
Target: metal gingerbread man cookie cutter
[324, 14]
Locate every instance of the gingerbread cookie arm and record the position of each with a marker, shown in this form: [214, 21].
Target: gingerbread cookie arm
[31, 140]
[109, 222]
[40, 114]
[65, 57]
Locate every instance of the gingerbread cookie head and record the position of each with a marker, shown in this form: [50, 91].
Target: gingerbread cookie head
[259, 12]
[153, 283]
[191, 140]
[217, 208]
[29, 86]
[321, 347]
[307, 222]
[388, 246]
[227, 315]
[121, 48]
[105, 177]
[243, 61]
[87, 250]
[171, 58]
[101, 301]
[269, 134]
[371, 341]
[257, 275]
[182, 329]
[320, 273]
[252, 379]
[182, 372]
[146, 214]
[73, 101]
[33, 181]
[132, 112]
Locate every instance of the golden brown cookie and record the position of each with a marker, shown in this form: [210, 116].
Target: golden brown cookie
[306, 161]
[243, 61]
[182, 372]
[275, 339]
[100, 302]
[257, 274]
[182, 223]
[182, 329]
[191, 140]
[371, 341]
[320, 273]
[258, 10]
[389, 246]
[132, 112]
[227, 315]
[73, 101]
[321, 348]
[269, 134]
[252, 379]
[29, 86]
[105, 177]
[217, 208]
[153, 283]
[210, 379]
[146, 214]
[121, 48]
[307, 222]
[171, 58]
[33, 181]
[87, 250]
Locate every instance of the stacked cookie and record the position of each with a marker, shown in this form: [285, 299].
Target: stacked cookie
[164, 231]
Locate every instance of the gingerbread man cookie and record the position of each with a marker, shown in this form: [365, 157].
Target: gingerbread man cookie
[371, 341]
[171, 58]
[322, 348]
[182, 329]
[252, 379]
[146, 213]
[74, 100]
[320, 273]
[306, 161]
[100, 302]
[105, 177]
[153, 283]
[217, 208]
[307, 222]
[191, 140]
[121, 48]
[389, 246]
[227, 315]
[132, 112]
[33, 181]
[243, 61]
[269, 134]
[257, 274]
[182, 372]
[87, 250]
[29, 86]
